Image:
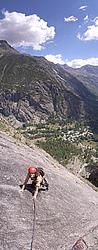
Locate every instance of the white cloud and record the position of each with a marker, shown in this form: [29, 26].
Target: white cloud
[77, 63]
[79, 36]
[55, 59]
[21, 30]
[83, 7]
[91, 33]
[86, 18]
[70, 19]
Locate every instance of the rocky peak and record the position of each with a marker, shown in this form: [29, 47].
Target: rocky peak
[6, 48]
[89, 69]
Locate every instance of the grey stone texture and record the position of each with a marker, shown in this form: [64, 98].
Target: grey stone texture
[65, 214]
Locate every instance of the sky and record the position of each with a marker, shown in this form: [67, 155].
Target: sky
[63, 31]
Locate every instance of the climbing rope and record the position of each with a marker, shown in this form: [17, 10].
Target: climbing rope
[34, 220]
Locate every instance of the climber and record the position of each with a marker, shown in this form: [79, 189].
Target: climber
[36, 174]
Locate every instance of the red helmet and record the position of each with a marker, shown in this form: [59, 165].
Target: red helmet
[32, 170]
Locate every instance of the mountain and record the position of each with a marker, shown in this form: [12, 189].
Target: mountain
[89, 69]
[89, 75]
[33, 89]
[5, 48]
[64, 214]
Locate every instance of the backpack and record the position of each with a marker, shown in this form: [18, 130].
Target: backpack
[41, 171]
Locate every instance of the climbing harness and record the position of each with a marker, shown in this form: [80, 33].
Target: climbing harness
[34, 220]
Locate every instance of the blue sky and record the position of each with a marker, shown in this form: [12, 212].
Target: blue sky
[63, 31]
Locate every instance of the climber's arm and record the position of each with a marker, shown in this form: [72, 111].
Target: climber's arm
[25, 182]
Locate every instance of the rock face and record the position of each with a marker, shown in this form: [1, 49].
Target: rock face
[90, 172]
[33, 89]
[66, 214]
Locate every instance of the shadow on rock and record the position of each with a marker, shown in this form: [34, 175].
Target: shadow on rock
[31, 188]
